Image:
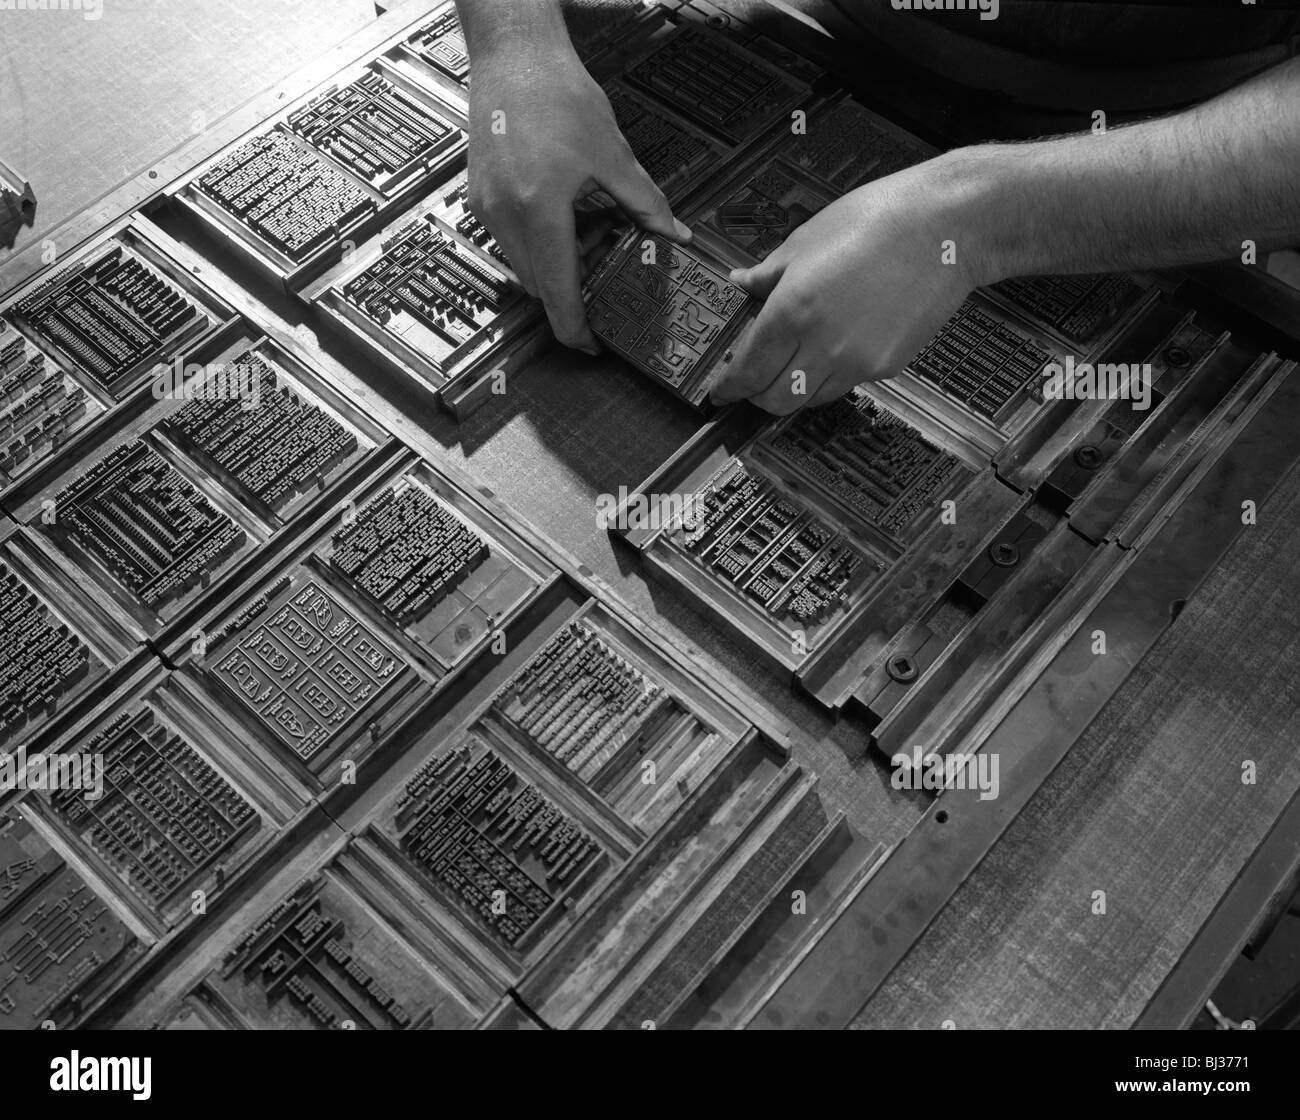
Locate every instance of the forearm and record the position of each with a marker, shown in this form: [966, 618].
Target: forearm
[490, 25]
[1179, 190]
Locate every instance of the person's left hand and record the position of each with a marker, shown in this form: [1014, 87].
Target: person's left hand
[856, 291]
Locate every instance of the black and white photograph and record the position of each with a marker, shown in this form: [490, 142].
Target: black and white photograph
[652, 515]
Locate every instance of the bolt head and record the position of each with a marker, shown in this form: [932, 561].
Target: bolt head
[902, 669]
[1089, 457]
[1178, 356]
[1004, 554]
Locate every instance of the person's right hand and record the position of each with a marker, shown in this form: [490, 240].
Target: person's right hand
[543, 136]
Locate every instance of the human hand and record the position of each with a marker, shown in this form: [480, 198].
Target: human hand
[855, 292]
[542, 137]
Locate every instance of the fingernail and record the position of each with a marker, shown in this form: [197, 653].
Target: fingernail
[591, 349]
[683, 230]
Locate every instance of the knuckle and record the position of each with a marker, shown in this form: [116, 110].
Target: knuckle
[798, 305]
[502, 204]
[527, 198]
[483, 201]
[652, 199]
[657, 205]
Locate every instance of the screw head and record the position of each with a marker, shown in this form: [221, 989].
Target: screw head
[1178, 356]
[1089, 457]
[902, 669]
[1004, 554]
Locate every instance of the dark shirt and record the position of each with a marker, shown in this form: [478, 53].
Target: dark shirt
[1064, 53]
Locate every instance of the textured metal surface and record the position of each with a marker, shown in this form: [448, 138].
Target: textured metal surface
[161, 72]
[1149, 806]
[1130, 806]
[1012, 945]
[559, 437]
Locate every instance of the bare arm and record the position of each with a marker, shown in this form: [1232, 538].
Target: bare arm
[856, 291]
[1183, 189]
[507, 24]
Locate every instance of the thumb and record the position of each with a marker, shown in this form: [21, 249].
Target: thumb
[644, 203]
[761, 279]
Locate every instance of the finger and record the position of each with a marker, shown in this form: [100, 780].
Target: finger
[594, 241]
[593, 228]
[831, 390]
[553, 250]
[512, 244]
[593, 257]
[762, 278]
[643, 202]
[795, 386]
[761, 354]
[596, 199]
[506, 229]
